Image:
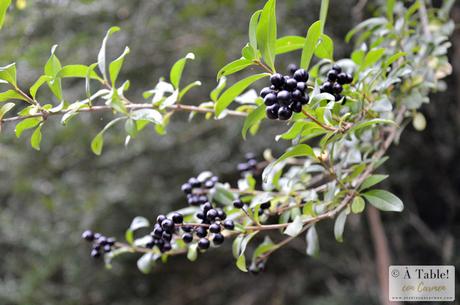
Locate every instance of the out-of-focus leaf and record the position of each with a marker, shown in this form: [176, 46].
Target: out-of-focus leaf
[115, 66]
[101, 61]
[339, 225]
[8, 74]
[253, 118]
[312, 242]
[36, 138]
[358, 205]
[295, 227]
[384, 200]
[4, 4]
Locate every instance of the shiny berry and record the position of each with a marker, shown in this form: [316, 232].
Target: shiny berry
[349, 79]
[238, 204]
[194, 182]
[166, 247]
[337, 88]
[107, 248]
[265, 91]
[284, 97]
[332, 75]
[297, 95]
[177, 218]
[157, 231]
[292, 68]
[301, 86]
[229, 225]
[337, 68]
[111, 241]
[272, 112]
[201, 231]
[214, 228]
[221, 214]
[326, 87]
[88, 235]
[338, 97]
[291, 84]
[199, 215]
[167, 225]
[187, 238]
[265, 205]
[342, 78]
[203, 243]
[186, 188]
[304, 100]
[270, 99]
[211, 214]
[277, 80]
[186, 229]
[166, 236]
[218, 239]
[301, 75]
[296, 107]
[206, 207]
[95, 253]
[284, 113]
[209, 184]
[160, 218]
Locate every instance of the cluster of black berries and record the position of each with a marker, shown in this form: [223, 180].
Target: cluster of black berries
[212, 221]
[286, 95]
[198, 198]
[163, 231]
[239, 204]
[335, 79]
[250, 165]
[101, 243]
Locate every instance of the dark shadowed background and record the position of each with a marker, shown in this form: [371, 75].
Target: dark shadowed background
[48, 198]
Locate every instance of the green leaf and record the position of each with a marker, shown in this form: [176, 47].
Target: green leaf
[4, 4]
[253, 29]
[26, 124]
[263, 248]
[216, 91]
[98, 142]
[240, 248]
[249, 52]
[241, 263]
[40, 81]
[372, 57]
[77, 71]
[293, 132]
[36, 138]
[177, 69]
[358, 205]
[313, 34]
[52, 68]
[339, 225]
[323, 13]
[289, 43]
[131, 127]
[300, 150]
[234, 66]
[393, 58]
[371, 181]
[234, 91]
[390, 8]
[266, 33]
[187, 88]
[11, 95]
[146, 262]
[88, 81]
[150, 115]
[115, 66]
[192, 253]
[312, 242]
[376, 21]
[8, 73]
[369, 123]
[384, 200]
[5, 109]
[101, 62]
[295, 227]
[325, 48]
[253, 118]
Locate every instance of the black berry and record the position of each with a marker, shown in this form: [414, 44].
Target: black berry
[337, 88]
[177, 218]
[229, 225]
[214, 228]
[291, 84]
[301, 75]
[238, 204]
[337, 68]
[342, 78]
[218, 239]
[211, 214]
[265, 91]
[160, 218]
[265, 205]
[88, 235]
[272, 112]
[332, 75]
[201, 231]
[284, 97]
[296, 107]
[203, 243]
[186, 188]
[284, 113]
[270, 99]
[292, 68]
[277, 80]
[167, 225]
[187, 238]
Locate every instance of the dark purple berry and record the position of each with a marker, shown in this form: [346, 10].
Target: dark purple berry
[157, 231]
[349, 79]
[111, 241]
[194, 182]
[291, 84]
[211, 214]
[342, 78]
[272, 112]
[97, 236]
[284, 113]
[337, 68]
[218, 239]
[187, 238]
[160, 218]
[301, 75]
[284, 97]
[301, 86]
[229, 225]
[102, 240]
[200, 215]
[221, 214]
[201, 231]
[150, 244]
[337, 88]
[166, 236]
[253, 163]
[187, 229]
[214, 179]
[238, 204]
[95, 253]
[265, 205]
[186, 188]
[167, 225]
[166, 247]
[297, 95]
[177, 218]
[88, 235]
[332, 76]
[270, 99]
[209, 184]
[304, 100]
[292, 68]
[338, 97]
[203, 243]
[107, 248]
[206, 207]
[214, 228]
[277, 80]
[265, 91]
[296, 107]
[326, 87]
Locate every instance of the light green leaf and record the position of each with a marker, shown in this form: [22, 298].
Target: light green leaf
[293, 132]
[390, 8]
[266, 33]
[11, 95]
[369, 123]
[393, 58]
[151, 115]
[372, 57]
[177, 69]
[289, 43]
[187, 89]
[295, 227]
[131, 127]
[358, 205]
[241, 263]
[312, 242]
[384, 200]
[40, 81]
[98, 142]
[77, 71]
[36, 138]
[234, 66]
[26, 124]
[52, 68]
[300, 150]
[115, 66]
[4, 4]
[192, 253]
[376, 21]
[253, 29]
[216, 91]
[313, 34]
[371, 181]
[101, 61]
[339, 225]
[8, 73]
[253, 118]
[5, 109]
[234, 91]
[325, 48]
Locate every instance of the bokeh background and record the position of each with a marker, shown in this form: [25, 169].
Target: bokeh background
[48, 198]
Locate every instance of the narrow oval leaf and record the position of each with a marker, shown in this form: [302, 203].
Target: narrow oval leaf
[101, 55]
[372, 180]
[294, 228]
[312, 242]
[234, 66]
[97, 144]
[253, 118]
[5, 109]
[115, 66]
[176, 71]
[8, 73]
[234, 91]
[289, 43]
[266, 33]
[77, 71]
[313, 34]
[26, 124]
[253, 29]
[325, 48]
[384, 200]
[369, 123]
[36, 138]
[4, 4]
[11, 95]
[339, 225]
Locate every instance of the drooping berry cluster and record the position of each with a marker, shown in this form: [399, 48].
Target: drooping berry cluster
[198, 198]
[287, 94]
[163, 231]
[250, 165]
[335, 79]
[100, 243]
